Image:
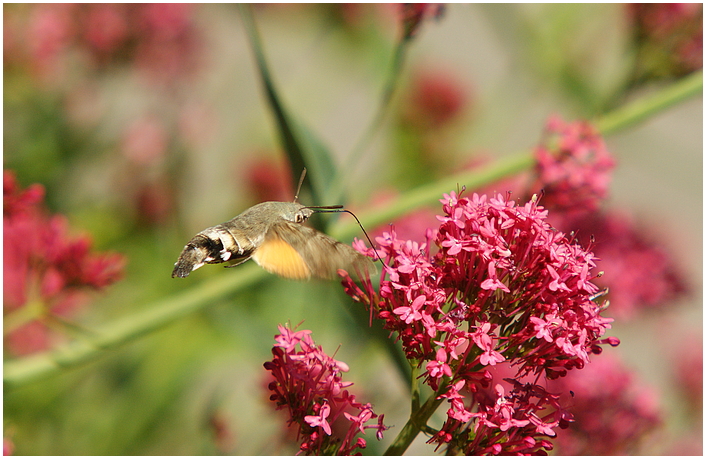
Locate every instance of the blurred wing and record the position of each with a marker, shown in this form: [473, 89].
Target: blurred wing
[277, 256]
[321, 255]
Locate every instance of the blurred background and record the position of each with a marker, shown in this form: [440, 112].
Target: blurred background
[148, 123]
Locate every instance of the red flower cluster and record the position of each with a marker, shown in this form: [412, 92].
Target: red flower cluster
[613, 412]
[573, 167]
[641, 274]
[159, 38]
[309, 383]
[668, 37]
[414, 13]
[504, 287]
[43, 268]
[436, 99]
[574, 172]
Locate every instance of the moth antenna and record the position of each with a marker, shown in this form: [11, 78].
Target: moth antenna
[299, 187]
[597, 295]
[339, 208]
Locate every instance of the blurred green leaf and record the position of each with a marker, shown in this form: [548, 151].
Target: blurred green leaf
[302, 146]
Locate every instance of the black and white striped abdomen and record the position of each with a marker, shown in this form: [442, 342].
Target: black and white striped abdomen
[217, 244]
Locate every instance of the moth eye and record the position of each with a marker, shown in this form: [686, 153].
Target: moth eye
[299, 218]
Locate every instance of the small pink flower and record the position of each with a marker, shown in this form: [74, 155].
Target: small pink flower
[411, 313]
[320, 419]
[492, 282]
[438, 368]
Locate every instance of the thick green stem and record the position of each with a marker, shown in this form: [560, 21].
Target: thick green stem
[36, 367]
[432, 192]
[641, 109]
[417, 421]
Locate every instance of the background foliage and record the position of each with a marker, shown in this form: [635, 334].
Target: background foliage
[149, 123]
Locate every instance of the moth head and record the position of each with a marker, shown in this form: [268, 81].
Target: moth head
[302, 215]
[294, 212]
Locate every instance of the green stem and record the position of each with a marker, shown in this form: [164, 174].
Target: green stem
[341, 180]
[417, 421]
[641, 109]
[414, 384]
[32, 310]
[432, 192]
[23, 371]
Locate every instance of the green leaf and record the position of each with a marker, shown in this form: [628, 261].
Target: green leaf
[302, 146]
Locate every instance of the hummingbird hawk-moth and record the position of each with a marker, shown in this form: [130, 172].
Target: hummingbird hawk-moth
[272, 234]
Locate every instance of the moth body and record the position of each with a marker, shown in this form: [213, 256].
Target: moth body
[272, 234]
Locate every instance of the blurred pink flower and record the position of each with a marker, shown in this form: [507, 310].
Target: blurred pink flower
[613, 412]
[7, 447]
[155, 203]
[436, 98]
[668, 37]
[44, 268]
[145, 141]
[160, 39]
[168, 45]
[50, 31]
[268, 179]
[107, 28]
[640, 273]
[573, 167]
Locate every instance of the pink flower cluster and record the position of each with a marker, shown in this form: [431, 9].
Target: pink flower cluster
[573, 172]
[642, 274]
[613, 412]
[573, 167]
[504, 286]
[43, 266]
[668, 37]
[309, 383]
[505, 423]
[160, 39]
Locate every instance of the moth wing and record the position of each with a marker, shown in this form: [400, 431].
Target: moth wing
[278, 256]
[321, 255]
